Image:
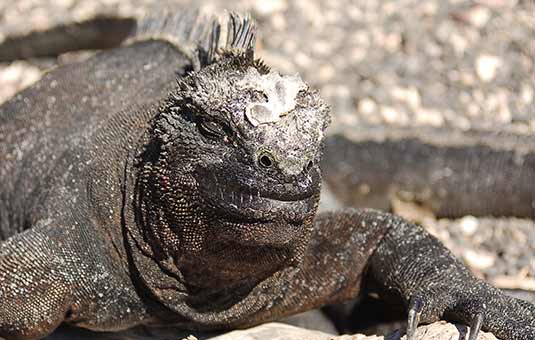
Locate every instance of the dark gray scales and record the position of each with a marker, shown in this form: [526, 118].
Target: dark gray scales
[175, 180]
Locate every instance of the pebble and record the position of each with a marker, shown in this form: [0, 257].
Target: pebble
[409, 95]
[527, 94]
[479, 259]
[367, 106]
[15, 77]
[190, 337]
[429, 117]
[468, 225]
[477, 16]
[487, 66]
[326, 72]
[459, 43]
[267, 8]
[392, 115]
[279, 22]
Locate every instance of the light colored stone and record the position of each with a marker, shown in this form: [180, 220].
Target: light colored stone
[408, 95]
[279, 22]
[476, 16]
[274, 331]
[431, 117]
[459, 43]
[303, 60]
[428, 8]
[487, 66]
[478, 259]
[322, 47]
[391, 115]
[367, 106]
[15, 77]
[527, 94]
[191, 337]
[469, 225]
[392, 41]
[361, 38]
[278, 331]
[326, 72]
[515, 282]
[267, 8]
[357, 54]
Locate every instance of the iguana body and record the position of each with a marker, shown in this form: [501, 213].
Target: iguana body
[129, 199]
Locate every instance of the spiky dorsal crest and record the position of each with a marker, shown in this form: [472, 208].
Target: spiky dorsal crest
[203, 36]
[232, 34]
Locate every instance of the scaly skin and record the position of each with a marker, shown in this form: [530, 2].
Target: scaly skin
[129, 199]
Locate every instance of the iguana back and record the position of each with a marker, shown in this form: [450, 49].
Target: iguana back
[46, 130]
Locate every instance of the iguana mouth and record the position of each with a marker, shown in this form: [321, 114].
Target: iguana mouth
[244, 207]
[237, 198]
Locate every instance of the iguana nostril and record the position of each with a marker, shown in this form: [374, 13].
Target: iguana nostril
[265, 160]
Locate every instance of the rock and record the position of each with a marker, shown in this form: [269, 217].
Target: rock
[429, 117]
[392, 115]
[486, 67]
[515, 282]
[478, 259]
[278, 331]
[476, 16]
[314, 320]
[267, 8]
[408, 95]
[468, 225]
[367, 106]
[269, 331]
[16, 76]
[527, 94]
[275, 331]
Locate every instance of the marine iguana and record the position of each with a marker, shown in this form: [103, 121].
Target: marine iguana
[160, 184]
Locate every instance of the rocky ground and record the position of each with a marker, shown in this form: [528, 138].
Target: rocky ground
[455, 63]
[276, 331]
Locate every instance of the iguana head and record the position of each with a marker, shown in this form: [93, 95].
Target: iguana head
[235, 186]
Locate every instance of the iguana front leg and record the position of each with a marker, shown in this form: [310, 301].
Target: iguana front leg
[35, 291]
[56, 272]
[435, 285]
[355, 249]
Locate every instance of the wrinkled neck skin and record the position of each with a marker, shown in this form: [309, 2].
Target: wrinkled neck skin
[187, 257]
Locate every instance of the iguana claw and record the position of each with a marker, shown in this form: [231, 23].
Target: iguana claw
[475, 326]
[416, 305]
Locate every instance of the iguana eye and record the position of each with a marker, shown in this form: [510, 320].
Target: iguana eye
[214, 129]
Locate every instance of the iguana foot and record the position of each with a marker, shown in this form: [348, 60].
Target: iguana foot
[416, 306]
[479, 306]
